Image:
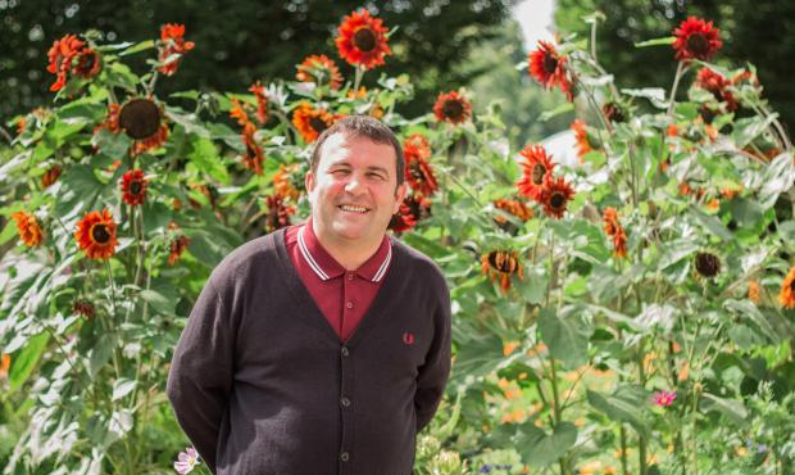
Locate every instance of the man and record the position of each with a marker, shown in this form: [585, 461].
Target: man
[322, 348]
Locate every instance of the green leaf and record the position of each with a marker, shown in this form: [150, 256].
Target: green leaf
[114, 145]
[713, 225]
[534, 285]
[188, 121]
[779, 177]
[675, 251]
[562, 109]
[142, 46]
[566, 337]
[668, 40]
[158, 302]
[540, 449]
[747, 129]
[786, 230]
[123, 387]
[734, 410]
[626, 404]
[24, 362]
[101, 353]
[204, 154]
[9, 232]
[748, 311]
[655, 94]
[477, 357]
[120, 75]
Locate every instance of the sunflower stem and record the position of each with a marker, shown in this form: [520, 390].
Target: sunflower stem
[358, 78]
[672, 99]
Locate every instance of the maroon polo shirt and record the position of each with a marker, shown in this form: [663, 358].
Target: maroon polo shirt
[343, 297]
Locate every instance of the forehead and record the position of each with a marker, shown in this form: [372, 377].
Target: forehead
[356, 151]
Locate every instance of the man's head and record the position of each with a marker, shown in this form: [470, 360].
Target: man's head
[356, 179]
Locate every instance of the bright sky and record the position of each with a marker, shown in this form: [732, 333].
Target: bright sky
[535, 16]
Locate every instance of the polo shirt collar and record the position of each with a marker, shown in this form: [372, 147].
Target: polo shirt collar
[326, 267]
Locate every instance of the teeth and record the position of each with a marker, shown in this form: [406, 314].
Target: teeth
[355, 209]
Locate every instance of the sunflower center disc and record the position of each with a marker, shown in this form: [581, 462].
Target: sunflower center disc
[100, 233]
[87, 62]
[550, 63]
[538, 174]
[453, 109]
[318, 124]
[135, 187]
[364, 39]
[557, 200]
[697, 44]
[140, 118]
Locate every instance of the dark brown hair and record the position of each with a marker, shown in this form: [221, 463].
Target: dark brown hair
[362, 126]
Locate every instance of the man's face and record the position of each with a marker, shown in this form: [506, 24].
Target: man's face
[353, 192]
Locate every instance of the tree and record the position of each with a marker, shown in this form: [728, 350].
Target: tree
[760, 32]
[242, 41]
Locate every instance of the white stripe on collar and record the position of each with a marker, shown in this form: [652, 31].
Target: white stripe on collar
[319, 271]
[382, 270]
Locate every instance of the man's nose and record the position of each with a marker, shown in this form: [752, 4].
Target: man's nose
[354, 184]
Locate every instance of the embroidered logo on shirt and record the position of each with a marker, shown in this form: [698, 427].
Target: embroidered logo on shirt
[408, 338]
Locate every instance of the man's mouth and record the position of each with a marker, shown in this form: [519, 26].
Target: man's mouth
[354, 209]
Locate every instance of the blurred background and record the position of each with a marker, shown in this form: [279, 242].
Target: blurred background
[441, 44]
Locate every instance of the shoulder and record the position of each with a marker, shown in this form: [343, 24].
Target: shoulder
[420, 267]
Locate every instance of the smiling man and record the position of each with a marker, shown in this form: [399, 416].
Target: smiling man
[321, 348]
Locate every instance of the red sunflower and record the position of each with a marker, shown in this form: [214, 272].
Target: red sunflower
[452, 107]
[278, 213]
[50, 176]
[419, 174]
[320, 70]
[142, 120]
[536, 168]
[555, 196]
[178, 246]
[133, 187]
[718, 85]
[502, 265]
[96, 234]
[254, 155]
[173, 47]
[403, 220]
[585, 143]
[88, 64]
[60, 57]
[614, 229]
[262, 101]
[696, 39]
[361, 40]
[548, 67]
[28, 228]
[311, 122]
[513, 207]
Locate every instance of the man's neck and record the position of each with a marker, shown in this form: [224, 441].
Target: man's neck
[348, 254]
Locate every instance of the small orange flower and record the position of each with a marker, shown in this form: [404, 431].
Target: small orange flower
[513, 207]
[584, 143]
[28, 228]
[178, 246]
[96, 234]
[419, 174]
[714, 204]
[21, 124]
[283, 182]
[754, 290]
[696, 39]
[452, 107]
[50, 176]
[672, 130]
[173, 44]
[536, 168]
[502, 264]
[60, 57]
[555, 196]
[133, 187]
[361, 40]
[5, 365]
[320, 70]
[262, 101]
[614, 229]
[730, 193]
[549, 68]
[311, 122]
[787, 295]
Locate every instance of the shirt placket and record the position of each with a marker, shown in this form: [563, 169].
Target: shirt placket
[346, 408]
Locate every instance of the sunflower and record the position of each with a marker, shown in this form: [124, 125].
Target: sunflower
[549, 68]
[178, 246]
[614, 229]
[515, 208]
[502, 264]
[142, 120]
[84, 308]
[718, 85]
[321, 70]
[361, 40]
[28, 228]
[419, 174]
[285, 182]
[173, 46]
[585, 143]
[707, 264]
[452, 107]
[419, 206]
[133, 187]
[50, 176]
[536, 167]
[311, 122]
[254, 155]
[96, 234]
[555, 196]
[787, 295]
[262, 101]
[88, 64]
[696, 39]
[614, 112]
[60, 58]
[278, 213]
[111, 122]
[403, 220]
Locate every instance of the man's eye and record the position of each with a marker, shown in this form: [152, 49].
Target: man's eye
[339, 171]
[376, 175]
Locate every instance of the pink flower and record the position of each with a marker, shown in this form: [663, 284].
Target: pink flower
[187, 461]
[664, 398]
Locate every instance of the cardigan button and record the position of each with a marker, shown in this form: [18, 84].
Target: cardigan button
[345, 351]
[345, 402]
[345, 456]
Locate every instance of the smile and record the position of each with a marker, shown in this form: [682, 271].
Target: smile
[354, 209]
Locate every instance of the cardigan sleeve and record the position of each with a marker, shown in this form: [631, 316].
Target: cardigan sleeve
[200, 378]
[433, 375]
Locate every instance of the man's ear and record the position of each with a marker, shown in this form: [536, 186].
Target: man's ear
[309, 181]
[400, 194]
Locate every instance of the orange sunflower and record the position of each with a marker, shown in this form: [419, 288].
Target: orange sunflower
[419, 174]
[178, 246]
[452, 107]
[60, 57]
[28, 228]
[173, 46]
[133, 187]
[555, 196]
[536, 167]
[516, 208]
[403, 220]
[254, 155]
[96, 234]
[696, 39]
[278, 213]
[284, 182]
[88, 64]
[50, 176]
[311, 122]
[718, 85]
[614, 229]
[548, 67]
[585, 143]
[142, 120]
[262, 101]
[787, 295]
[361, 40]
[502, 264]
[321, 70]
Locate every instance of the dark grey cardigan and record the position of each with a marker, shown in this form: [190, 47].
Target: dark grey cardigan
[262, 385]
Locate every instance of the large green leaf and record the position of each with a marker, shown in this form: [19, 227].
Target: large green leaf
[626, 404]
[734, 410]
[204, 154]
[25, 361]
[565, 335]
[539, 448]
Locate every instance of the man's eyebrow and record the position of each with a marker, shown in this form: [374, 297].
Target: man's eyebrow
[379, 169]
